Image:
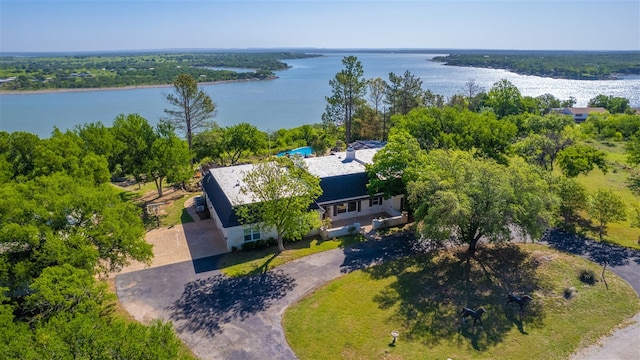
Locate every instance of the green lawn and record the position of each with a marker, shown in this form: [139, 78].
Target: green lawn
[250, 262]
[176, 213]
[617, 179]
[421, 298]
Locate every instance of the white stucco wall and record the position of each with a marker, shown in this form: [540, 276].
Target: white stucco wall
[235, 236]
[216, 219]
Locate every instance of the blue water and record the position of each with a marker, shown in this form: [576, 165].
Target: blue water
[297, 97]
[303, 151]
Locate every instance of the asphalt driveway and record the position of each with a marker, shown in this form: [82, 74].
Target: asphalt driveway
[624, 343]
[240, 318]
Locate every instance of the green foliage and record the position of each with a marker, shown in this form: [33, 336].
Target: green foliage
[504, 98]
[87, 335]
[572, 198]
[567, 65]
[451, 128]
[457, 196]
[587, 276]
[209, 143]
[544, 137]
[632, 148]
[281, 191]
[606, 206]
[192, 107]
[387, 174]
[613, 104]
[241, 139]
[67, 289]
[59, 219]
[111, 70]
[607, 126]
[581, 159]
[547, 102]
[170, 157]
[348, 89]
[61, 226]
[404, 93]
[133, 139]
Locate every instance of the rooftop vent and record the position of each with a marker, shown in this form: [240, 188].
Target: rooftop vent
[351, 154]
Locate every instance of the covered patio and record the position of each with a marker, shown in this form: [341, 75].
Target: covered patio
[366, 224]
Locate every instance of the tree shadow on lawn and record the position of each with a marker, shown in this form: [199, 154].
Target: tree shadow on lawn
[368, 253]
[432, 288]
[207, 304]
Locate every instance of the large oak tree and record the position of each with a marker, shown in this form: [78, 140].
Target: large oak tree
[461, 198]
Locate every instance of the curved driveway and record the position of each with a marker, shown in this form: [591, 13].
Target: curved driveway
[240, 318]
[624, 343]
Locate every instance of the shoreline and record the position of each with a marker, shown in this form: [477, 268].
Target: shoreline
[112, 88]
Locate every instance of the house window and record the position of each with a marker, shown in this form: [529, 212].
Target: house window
[251, 234]
[375, 201]
[347, 207]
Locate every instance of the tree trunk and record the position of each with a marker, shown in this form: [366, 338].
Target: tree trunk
[158, 182]
[601, 230]
[280, 243]
[472, 247]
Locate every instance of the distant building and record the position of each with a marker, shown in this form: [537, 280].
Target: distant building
[581, 114]
[9, 79]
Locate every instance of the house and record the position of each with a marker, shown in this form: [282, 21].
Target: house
[581, 114]
[343, 179]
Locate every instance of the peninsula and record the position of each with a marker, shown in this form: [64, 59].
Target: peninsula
[127, 70]
[591, 65]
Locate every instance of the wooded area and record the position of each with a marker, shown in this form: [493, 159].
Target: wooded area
[564, 65]
[102, 71]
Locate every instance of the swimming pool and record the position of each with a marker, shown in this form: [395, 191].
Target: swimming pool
[304, 151]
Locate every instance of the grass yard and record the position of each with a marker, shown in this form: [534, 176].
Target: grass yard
[421, 297]
[241, 263]
[176, 213]
[617, 179]
[172, 208]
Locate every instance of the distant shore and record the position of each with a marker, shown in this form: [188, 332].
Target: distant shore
[112, 88]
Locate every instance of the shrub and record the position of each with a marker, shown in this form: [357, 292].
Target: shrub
[587, 276]
[249, 245]
[569, 292]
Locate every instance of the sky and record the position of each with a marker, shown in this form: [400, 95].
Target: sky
[115, 25]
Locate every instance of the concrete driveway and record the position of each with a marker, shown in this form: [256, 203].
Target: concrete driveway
[180, 243]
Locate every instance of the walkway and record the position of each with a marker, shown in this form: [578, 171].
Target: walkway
[240, 318]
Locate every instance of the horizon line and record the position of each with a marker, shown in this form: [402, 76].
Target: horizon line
[318, 49]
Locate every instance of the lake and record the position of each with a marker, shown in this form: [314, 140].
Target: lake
[297, 97]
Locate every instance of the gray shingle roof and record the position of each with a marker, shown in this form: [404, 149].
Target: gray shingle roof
[339, 179]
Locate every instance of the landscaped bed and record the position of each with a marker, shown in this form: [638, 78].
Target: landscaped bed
[421, 297]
